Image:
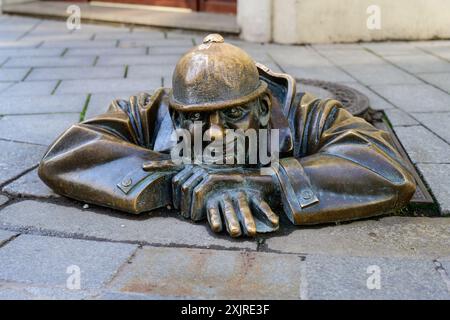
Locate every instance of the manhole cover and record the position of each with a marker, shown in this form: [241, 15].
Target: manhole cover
[353, 100]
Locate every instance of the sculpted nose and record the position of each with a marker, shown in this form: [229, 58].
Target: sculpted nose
[215, 130]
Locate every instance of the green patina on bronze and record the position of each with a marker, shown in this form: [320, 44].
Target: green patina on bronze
[333, 166]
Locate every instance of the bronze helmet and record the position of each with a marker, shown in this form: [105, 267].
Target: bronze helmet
[214, 75]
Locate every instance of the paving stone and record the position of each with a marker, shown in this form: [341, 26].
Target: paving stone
[320, 73]
[5, 85]
[50, 62]
[138, 60]
[16, 158]
[437, 122]
[3, 199]
[30, 104]
[400, 118]
[40, 129]
[42, 260]
[64, 43]
[374, 74]
[441, 80]
[13, 74]
[104, 51]
[9, 291]
[99, 102]
[29, 185]
[388, 49]
[420, 63]
[329, 277]
[108, 85]
[169, 50]
[438, 176]
[59, 39]
[65, 73]
[376, 101]
[442, 49]
[6, 236]
[113, 295]
[139, 72]
[384, 237]
[136, 43]
[37, 52]
[422, 145]
[135, 35]
[211, 274]
[152, 228]
[9, 44]
[30, 88]
[415, 98]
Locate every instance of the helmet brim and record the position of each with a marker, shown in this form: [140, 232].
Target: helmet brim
[176, 105]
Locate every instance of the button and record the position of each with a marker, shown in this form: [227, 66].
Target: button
[127, 182]
[307, 194]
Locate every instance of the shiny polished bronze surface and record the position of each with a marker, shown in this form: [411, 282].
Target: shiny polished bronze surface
[333, 166]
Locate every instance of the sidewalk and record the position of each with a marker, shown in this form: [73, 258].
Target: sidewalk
[51, 77]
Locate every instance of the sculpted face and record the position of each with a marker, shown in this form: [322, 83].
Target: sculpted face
[216, 124]
[252, 115]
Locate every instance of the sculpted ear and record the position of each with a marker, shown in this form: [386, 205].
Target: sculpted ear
[265, 106]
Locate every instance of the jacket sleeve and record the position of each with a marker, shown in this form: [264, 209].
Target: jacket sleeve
[100, 160]
[343, 168]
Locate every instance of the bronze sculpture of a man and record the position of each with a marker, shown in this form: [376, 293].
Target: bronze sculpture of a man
[332, 166]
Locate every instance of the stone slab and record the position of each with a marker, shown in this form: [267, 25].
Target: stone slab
[108, 85]
[40, 129]
[349, 278]
[140, 72]
[13, 74]
[40, 88]
[65, 73]
[415, 98]
[29, 185]
[16, 158]
[152, 228]
[42, 260]
[437, 177]
[211, 274]
[138, 60]
[420, 63]
[331, 73]
[136, 43]
[422, 145]
[73, 52]
[437, 122]
[30, 104]
[441, 80]
[400, 118]
[13, 291]
[377, 74]
[84, 42]
[31, 52]
[384, 237]
[50, 61]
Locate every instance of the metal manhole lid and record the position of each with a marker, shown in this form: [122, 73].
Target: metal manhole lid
[353, 100]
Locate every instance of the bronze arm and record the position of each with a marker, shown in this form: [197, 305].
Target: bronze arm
[100, 161]
[343, 168]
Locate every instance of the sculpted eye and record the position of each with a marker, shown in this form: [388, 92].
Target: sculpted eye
[234, 113]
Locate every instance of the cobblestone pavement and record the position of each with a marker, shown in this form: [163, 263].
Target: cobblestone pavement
[51, 77]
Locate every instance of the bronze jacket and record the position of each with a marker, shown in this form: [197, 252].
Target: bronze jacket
[334, 166]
